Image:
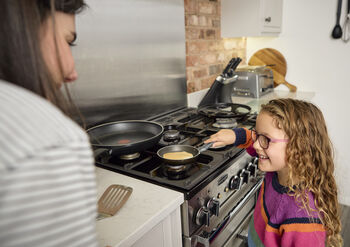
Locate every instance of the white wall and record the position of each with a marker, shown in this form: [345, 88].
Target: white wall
[318, 63]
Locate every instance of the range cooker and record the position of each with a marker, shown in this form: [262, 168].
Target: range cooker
[220, 188]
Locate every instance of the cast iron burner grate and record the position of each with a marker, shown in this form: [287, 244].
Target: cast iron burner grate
[225, 110]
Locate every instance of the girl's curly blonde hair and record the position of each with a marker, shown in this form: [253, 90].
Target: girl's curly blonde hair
[309, 156]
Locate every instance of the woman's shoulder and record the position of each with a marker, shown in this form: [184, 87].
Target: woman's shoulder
[25, 108]
[29, 122]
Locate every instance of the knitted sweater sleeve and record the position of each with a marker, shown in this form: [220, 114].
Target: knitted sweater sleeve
[243, 137]
[244, 140]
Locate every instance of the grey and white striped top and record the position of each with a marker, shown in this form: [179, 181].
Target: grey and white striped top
[47, 176]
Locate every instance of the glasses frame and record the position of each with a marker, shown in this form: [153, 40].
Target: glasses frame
[273, 140]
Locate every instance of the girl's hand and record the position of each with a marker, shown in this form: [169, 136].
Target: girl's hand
[222, 138]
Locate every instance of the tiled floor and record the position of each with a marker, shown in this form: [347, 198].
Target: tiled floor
[345, 219]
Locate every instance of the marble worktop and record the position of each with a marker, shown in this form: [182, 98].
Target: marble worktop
[148, 205]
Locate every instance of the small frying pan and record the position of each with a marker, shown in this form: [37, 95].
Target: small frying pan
[182, 148]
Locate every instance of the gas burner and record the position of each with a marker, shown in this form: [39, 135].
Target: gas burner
[225, 123]
[171, 135]
[129, 156]
[179, 168]
[171, 127]
[176, 172]
[225, 110]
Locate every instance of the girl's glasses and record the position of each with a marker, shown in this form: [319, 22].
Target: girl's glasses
[264, 141]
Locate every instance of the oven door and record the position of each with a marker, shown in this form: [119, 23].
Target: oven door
[232, 230]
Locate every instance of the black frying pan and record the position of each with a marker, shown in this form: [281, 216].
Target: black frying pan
[180, 148]
[126, 137]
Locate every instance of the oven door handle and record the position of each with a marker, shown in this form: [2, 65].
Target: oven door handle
[246, 198]
[235, 210]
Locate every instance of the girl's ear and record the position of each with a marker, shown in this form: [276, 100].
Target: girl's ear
[277, 123]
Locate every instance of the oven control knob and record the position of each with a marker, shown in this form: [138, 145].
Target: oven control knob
[203, 216]
[245, 175]
[252, 168]
[213, 205]
[235, 183]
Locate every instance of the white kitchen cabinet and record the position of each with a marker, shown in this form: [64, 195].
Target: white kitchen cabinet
[250, 18]
[167, 233]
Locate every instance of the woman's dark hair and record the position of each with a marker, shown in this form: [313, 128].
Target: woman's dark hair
[21, 60]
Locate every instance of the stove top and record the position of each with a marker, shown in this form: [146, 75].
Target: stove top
[185, 127]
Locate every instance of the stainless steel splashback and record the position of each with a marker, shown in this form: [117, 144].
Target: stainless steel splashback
[130, 59]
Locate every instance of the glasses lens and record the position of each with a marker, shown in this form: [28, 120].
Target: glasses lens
[263, 141]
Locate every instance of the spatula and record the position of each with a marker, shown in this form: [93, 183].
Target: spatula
[112, 200]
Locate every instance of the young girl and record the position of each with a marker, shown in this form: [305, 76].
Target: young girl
[297, 204]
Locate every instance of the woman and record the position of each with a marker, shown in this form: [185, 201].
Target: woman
[47, 181]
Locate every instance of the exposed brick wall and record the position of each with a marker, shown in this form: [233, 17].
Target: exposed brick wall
[206, 52]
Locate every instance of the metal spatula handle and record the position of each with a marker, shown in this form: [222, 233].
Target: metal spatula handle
[346, 31]
[346, 27]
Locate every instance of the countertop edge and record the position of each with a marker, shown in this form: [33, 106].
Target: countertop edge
[194, 98]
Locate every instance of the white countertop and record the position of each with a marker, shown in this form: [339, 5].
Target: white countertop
[193, 99]
[148, 205]
[255, 103]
